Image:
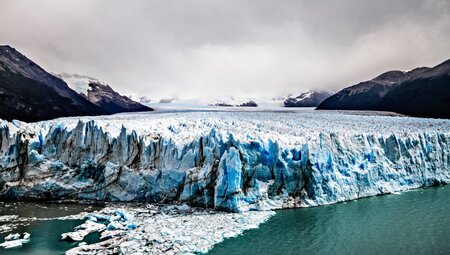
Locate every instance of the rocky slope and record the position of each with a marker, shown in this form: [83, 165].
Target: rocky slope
[228, 161]
[102, 95]
[308, 99]
[423, 92]
[29, 93]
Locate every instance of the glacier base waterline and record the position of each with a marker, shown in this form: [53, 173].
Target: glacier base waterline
[231, 161]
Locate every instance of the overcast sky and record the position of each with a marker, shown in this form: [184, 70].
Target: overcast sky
[241, 48]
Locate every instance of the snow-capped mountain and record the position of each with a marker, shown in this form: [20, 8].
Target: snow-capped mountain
[79, 83]
[423, 92]
[101, 94]
[311, 98]
[29, 93]
[260, 102]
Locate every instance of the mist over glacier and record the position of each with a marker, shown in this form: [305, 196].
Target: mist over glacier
[232, 161]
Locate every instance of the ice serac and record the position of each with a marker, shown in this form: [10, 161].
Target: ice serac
[216, 166]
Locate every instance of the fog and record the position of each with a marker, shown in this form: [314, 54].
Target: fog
[204, 48]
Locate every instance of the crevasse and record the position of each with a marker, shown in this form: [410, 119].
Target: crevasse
[215, 169]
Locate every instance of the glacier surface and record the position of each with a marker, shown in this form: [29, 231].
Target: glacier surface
[232, 161]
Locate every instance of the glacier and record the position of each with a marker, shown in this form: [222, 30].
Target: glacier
[231, 161]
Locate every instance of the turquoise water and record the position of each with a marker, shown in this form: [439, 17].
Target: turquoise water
[416, 222]
[45, 235]
[46, 238]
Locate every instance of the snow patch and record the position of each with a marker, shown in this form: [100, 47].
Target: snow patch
[79, 83]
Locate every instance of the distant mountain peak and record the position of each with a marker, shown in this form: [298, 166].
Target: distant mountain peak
[311, 98]
[79, 83]
[101, 94]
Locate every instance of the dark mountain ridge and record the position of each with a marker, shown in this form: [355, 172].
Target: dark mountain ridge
[111, 101]
[101, 94]
[421, 92]
[29, 93]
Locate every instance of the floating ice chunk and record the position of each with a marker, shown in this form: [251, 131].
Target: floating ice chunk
[6, 218]
[183, 231]
[230, 234]
[131, 226]
[83, 230]
[13, 240]
[102, 217]
[124, 216]
[182, 239]
[11, 244]
[111, 233]
[116, 217]
[114, 225]
[26, 235]
[74, 236]
[92, 218]
[11, 237]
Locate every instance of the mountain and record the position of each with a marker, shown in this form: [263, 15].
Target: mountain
[421, 92]
[29, 93]
[101, 94]
[311, 98]
[145, 100]
[250, 103]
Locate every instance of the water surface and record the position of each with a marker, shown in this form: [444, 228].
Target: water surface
[416, 222]
[45, 234]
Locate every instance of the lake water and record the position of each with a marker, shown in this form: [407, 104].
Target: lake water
[416, 222]
[45, 234]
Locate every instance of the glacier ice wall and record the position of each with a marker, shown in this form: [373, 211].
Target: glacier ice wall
[215, 169]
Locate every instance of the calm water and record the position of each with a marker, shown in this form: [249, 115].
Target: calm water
[45, 235]
[416, 222]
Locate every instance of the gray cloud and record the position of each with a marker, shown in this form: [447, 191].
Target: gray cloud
[207, 48]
